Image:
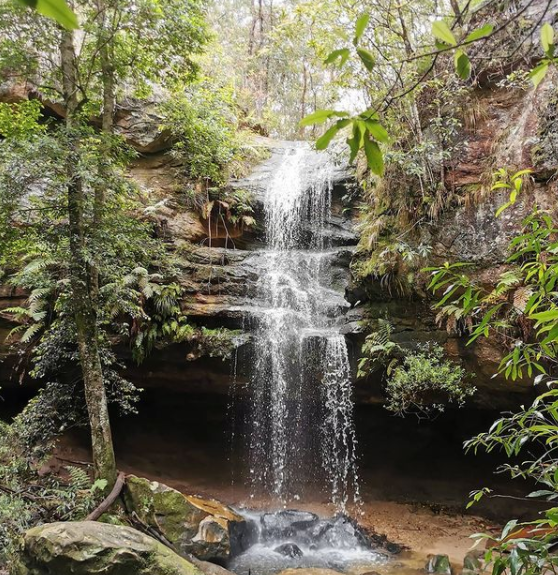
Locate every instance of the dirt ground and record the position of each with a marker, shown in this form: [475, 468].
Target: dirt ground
[423, 529]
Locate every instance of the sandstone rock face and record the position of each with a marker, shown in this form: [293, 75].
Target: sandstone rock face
[204, 528]
[516, 129]
[86, 547]
[138, 122]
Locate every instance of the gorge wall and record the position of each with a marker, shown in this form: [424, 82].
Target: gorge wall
[219, 271]
[186, 395]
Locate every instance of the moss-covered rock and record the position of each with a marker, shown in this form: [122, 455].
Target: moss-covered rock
[204, 528]
[86, 547]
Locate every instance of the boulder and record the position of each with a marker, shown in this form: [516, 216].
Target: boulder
[473, 562]
[201, 527]
[86, 547]
[289, 550]
[439, 564]
[210, 568]
[138, 122]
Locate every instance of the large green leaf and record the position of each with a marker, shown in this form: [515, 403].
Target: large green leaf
[377, 130]
[323, 142]
[367, 58]
[538, 73]
[354, 147]
[479, 33]
[56, 9]
[547, 38]
[360, 27]
[320, 116]
[441, 31]
[341, 54]
[374, 156]
[462, 64]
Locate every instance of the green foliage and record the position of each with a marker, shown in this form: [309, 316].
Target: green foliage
[418, 381]
[548, 46]
[425, 382]
[393, 263]
[151, 42]
[219, 342]
[56, 9]
[521, 305]
[21, 120]
[29, 498]
[203, 121]
[525, 548]
[513, 182]
[379, 349]
[131, 303]
[447, 41]
[520, 312]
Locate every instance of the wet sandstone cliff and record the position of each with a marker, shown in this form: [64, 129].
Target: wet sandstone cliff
[219, 265]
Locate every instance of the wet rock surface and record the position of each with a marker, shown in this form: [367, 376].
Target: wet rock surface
[439, 564]
[204, 528]
[289, 550]
[291, 539]
[86, 547]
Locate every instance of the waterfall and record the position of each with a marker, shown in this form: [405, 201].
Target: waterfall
[301, 417]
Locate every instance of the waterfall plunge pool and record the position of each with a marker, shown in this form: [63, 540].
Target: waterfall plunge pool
[290, 539]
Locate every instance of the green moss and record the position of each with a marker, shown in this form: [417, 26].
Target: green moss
[163, 508]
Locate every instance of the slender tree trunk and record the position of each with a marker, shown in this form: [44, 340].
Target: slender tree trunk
[84, 307]
[303, 97]
[106, 56]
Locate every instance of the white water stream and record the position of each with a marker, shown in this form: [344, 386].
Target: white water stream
[301, 419]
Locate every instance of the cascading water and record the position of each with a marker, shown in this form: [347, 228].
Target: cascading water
[301, 420]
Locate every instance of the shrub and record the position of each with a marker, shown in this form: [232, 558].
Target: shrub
[425, 382]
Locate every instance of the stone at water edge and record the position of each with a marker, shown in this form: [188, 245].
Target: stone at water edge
[439, 564]
[204, 528]
[291, 550]
[473, 563]
[86, 547]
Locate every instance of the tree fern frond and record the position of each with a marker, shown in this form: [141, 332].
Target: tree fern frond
[31, 332]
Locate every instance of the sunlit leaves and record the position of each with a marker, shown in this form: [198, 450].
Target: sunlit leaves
[513, 182]
[446, 39]
[538, 73]
[367, 58]
[320, 116]
[366, 133]
[547, 39]
[531, 282]
[21, 120]
[341, 55]
[374, 156]
[548, 46]
[442, 32]
[360, 27]
[323, 142]
[56, 9]
[462, 64]
[377, 131]
[479, 33]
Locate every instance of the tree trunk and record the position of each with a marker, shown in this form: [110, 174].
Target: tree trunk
[84, 307]
[106, 56]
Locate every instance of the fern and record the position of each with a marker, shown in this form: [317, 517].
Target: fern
[79, 478]
[31, 332]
